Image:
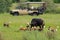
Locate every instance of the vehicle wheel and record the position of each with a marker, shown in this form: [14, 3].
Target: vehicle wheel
[35, 13]
[16, 14]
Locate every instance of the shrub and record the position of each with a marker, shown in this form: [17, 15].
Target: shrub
[4, 5]
[57, 9]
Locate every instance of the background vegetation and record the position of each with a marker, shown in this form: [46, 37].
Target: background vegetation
[5, 5]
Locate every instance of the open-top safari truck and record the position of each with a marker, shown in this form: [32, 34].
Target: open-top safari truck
[33, 10]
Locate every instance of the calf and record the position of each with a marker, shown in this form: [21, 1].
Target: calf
[52, 29]
[23, 29]
[51, 33]
[6, 24]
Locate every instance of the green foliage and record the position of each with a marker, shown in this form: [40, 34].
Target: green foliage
[23, 0]
[57, 9]
[57, 1]
[34, 35]
[50, 5]
[23, 5]
[15, 1]
[4, 5]
[34, 0]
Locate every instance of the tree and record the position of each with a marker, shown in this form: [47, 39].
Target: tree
[22, 3]
[57, 1]
[50, 5]
[4, 5]
[15, 1]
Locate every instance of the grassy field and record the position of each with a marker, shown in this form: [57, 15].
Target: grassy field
[16, 22]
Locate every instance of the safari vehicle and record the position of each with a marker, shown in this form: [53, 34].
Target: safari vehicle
[29, 10]
[23, 12]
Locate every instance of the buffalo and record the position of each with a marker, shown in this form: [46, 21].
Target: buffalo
[37, 22]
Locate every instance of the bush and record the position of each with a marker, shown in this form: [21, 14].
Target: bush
[57, 1]
[4, 5]
[57, 10]
[50, 5]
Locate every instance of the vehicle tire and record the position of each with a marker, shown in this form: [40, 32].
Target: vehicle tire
[16, 14]
[35, 13]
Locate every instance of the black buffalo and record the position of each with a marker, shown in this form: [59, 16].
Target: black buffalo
[35, 22]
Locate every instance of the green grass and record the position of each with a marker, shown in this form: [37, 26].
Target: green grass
[17, 21]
